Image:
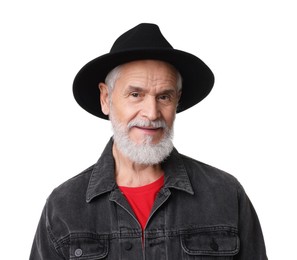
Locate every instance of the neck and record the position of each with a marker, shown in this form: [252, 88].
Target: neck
[131, 174]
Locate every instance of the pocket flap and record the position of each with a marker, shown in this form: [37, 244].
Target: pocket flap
[86, 247]
[221, 241]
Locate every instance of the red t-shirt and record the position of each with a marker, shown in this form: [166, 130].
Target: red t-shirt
[141, 199]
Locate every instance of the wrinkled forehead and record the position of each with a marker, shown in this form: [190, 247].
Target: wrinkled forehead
[150, 71]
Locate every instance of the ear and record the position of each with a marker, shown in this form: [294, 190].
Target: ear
[104, 98]
[178, 98]
[179, 95]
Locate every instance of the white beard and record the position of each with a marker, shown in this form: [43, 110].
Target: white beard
[145, 153]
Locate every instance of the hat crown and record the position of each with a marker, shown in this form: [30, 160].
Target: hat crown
[143, 36]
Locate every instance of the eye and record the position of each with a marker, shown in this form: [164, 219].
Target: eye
[164, 97]
[135, 94]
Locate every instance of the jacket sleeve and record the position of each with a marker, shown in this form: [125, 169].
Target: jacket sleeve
[43, 247]
[252, 246]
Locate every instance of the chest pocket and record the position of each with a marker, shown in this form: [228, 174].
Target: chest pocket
[87, 247]
[221, 243]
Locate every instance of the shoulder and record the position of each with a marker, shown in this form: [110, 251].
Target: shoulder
[72, 188]
[204, 174]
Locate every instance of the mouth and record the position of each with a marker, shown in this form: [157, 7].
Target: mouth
[149, 130]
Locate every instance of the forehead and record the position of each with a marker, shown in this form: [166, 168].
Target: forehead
[149, 70]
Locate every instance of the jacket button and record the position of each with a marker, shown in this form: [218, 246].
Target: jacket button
[78, 252]
[214, 246]
[128, 246]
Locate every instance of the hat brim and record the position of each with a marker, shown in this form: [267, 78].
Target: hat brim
[198, 79]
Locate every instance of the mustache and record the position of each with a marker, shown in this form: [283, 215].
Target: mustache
[147, 123]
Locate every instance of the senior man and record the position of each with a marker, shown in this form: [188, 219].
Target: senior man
[143, 199]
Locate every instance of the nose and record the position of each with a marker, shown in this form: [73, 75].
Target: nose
[150, 109]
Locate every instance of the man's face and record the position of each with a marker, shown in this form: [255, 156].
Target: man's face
[146, 91]
[142, 109]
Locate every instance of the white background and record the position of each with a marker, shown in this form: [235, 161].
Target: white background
[246, 126]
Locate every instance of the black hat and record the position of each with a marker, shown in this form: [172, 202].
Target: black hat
[145, 41]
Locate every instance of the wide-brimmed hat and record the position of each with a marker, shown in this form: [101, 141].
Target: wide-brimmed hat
[145, 41]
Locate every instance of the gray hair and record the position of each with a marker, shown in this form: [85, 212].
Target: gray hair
[114, 74]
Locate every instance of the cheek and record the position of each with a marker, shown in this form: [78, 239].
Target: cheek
[124, 112]
[169, 116]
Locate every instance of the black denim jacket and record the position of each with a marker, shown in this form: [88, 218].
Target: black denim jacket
[201, 213]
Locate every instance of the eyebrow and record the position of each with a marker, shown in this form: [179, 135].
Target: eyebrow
[134, 88]
[168, 91]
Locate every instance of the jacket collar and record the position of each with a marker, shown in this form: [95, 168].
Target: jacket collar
[102, 179]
